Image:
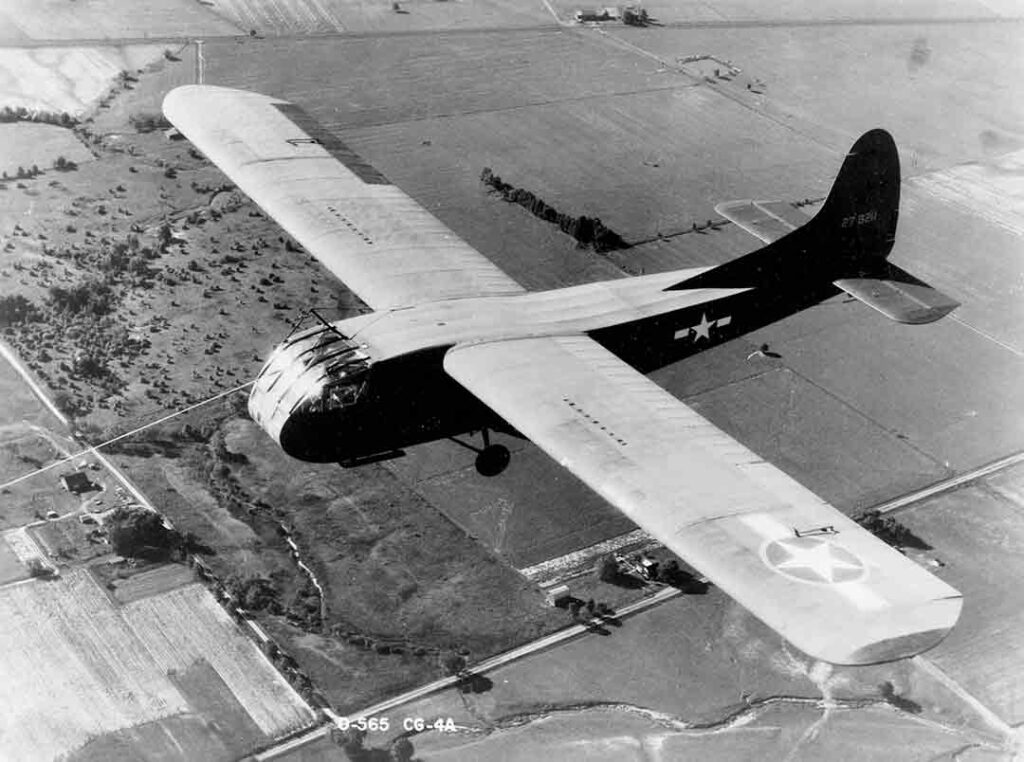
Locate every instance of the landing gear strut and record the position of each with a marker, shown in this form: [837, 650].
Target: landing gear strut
[492, 459]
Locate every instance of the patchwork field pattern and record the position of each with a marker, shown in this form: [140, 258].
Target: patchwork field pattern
[85, 668]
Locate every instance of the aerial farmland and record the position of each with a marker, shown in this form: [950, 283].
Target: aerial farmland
[357, 585]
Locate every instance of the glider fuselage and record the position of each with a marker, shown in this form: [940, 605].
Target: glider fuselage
[375, 383]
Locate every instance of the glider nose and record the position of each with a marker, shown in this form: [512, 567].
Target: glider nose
[308, 384]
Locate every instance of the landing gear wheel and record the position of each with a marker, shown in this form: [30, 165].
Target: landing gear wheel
[492, 460]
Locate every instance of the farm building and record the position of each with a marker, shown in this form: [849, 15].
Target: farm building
[77, 482]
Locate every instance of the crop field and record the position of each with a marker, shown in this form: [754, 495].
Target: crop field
[289, 17]
[282, 16]
[126, 584]
[185, 625]
[948, 93]
[83, 669]
[67, 80]
[425, 76]
[111, 19]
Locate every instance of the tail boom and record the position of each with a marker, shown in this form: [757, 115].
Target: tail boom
[846, 244]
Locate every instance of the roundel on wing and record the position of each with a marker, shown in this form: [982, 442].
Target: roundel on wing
[813, 559]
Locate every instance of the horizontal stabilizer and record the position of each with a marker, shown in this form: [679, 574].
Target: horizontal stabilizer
[768, 220]
[899, 296]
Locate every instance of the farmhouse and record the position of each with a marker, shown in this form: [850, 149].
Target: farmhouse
[77, 482]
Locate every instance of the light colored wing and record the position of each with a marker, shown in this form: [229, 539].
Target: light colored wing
[768, 220]
[824, 583]
[383, 245]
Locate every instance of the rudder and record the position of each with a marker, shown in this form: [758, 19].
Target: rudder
[860, 214]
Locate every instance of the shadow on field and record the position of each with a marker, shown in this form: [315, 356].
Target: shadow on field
[685, 582]
[473, 683]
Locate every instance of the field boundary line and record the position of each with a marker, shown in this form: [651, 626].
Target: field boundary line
[947, 485]
[494, 662]
[943, 677]
[578, 557]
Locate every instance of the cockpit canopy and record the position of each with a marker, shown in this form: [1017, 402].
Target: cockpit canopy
[318, 370]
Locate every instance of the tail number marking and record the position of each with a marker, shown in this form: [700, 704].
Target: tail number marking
[859, 219]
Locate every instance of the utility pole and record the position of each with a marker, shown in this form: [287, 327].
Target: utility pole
[200, 63]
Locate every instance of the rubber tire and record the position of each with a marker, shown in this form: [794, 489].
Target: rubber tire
[493, 460]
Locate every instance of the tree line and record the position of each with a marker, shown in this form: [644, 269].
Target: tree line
[588, 231]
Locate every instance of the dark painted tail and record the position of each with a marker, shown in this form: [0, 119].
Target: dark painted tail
[845, 245]
[858, 219]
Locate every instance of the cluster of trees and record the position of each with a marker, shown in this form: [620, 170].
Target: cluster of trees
[588, 231]
[148, 121]
[16, 309]
[635, 17]
[23, 174]
[22, 114]
[136, 532]
[93, 296]
[62, 164]
[890, 531]
[254, 593]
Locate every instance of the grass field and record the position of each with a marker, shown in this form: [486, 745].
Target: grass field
[12, 568]
[980, 533]
[786, 732]
[67, 539]
[22, 145]
[83, 669]
[700, 677]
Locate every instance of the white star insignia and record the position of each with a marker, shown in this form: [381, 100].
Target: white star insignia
[818, 558]
[703, 328]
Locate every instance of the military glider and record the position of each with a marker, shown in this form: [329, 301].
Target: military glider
[453, 345]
